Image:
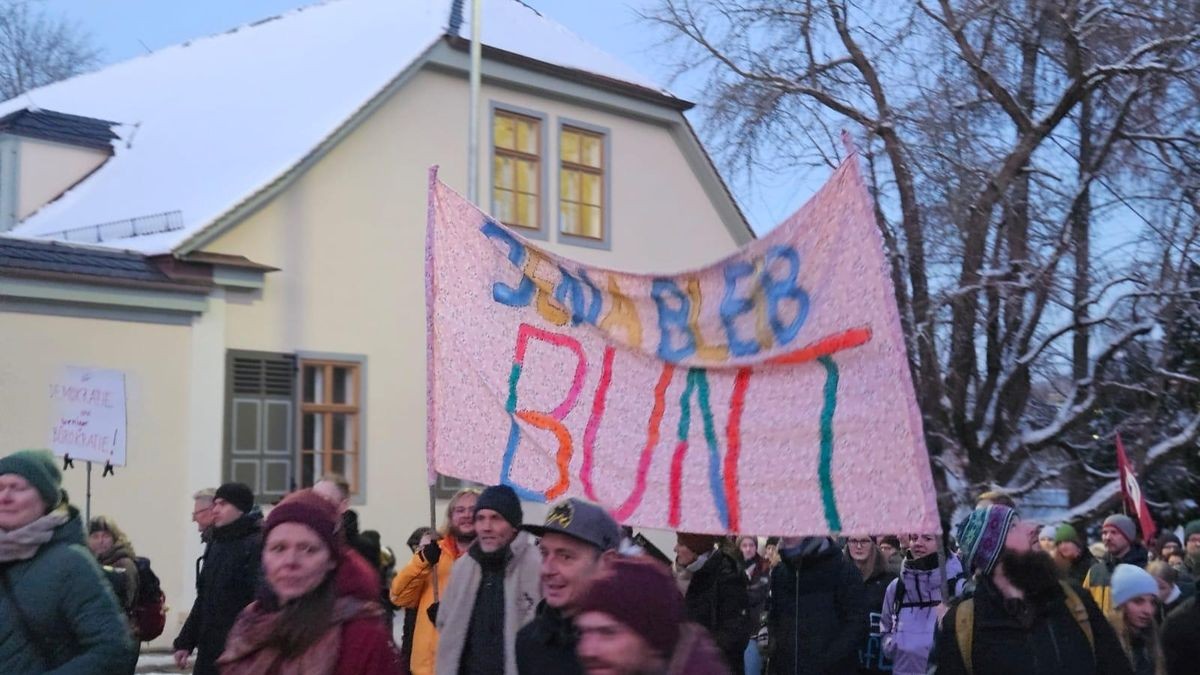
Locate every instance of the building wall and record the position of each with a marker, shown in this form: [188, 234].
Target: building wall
[48, 169]
[349, 238]
[150, 497]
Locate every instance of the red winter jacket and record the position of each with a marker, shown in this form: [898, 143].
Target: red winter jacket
[365, 648]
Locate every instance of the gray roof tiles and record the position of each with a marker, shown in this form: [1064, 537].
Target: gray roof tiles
[37, 256]
[55, 126]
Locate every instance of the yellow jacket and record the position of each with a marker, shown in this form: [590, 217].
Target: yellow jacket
[412, 588]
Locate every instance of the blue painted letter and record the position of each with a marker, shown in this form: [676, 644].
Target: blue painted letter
[522, 295]
[733, 306]
[779, 290]
[671, 320]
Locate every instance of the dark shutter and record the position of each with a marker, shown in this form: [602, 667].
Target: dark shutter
[260, 422]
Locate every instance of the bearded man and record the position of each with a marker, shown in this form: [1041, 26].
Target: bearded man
[1022, 618]
[413, 586]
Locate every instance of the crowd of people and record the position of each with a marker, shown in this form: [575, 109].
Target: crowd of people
[297, 588]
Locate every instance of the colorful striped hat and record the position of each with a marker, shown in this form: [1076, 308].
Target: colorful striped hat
[981, 536]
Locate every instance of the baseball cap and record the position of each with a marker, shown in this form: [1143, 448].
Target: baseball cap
[583, 520]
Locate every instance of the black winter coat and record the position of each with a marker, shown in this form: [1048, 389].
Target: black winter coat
[228, 578]
[1181, 638]
[546, 645]
[483, 650]
[718, 600]
[818, 615]
[870, 656]
[1053, 644]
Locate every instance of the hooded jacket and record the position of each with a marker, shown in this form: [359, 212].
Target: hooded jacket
[1099, 579]
[226, 585]
[522, 593]
[70, 606]
[1048, 642]
[356, 643]
[909, 616]
[817, 617]
[413, 588]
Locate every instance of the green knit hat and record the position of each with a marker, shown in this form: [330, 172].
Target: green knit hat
[1065, 532]
[39, 468]
[1190, 529]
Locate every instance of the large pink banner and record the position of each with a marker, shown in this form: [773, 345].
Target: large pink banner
[767, 393]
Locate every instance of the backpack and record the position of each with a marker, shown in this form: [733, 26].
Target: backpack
[148, 615]
[898, 602]
[964, 624]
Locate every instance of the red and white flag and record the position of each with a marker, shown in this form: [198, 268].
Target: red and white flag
[1132, 492]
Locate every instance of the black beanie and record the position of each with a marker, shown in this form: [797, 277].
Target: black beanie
[238, 495]
[502, 500]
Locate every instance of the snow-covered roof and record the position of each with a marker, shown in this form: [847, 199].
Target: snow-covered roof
[207, 124]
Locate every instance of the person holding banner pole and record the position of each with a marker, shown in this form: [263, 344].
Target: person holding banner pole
[415, 586]
[493, 592]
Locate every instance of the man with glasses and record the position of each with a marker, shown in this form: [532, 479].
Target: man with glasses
[202, 516]
[413, 587]
[202, 503]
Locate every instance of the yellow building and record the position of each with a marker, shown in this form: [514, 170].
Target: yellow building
[237, 225]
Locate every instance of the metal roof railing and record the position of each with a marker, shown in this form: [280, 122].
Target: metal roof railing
[140, 226]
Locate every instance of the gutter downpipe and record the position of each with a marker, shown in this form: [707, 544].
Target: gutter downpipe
[476, 81]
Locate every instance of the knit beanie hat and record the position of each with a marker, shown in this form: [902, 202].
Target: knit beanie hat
[1064, 533]
[1190, 529]
[981, 536]
[240, 496]
[1124, 525]
[698, 543]
[39, 468]
[1130, 581]
[641, 594]
[311, 510]
[503, 500]
[1047, 532]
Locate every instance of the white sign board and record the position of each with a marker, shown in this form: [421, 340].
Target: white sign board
[88, 409]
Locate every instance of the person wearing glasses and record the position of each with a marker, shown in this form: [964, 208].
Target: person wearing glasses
[412, 587]
[877, 575]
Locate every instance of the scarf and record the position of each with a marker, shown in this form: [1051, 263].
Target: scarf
[23, 543]
[248, 650]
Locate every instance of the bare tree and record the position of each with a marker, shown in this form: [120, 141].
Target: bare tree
[37, 49]
[1036, 168]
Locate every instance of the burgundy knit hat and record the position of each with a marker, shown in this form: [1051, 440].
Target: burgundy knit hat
[311, 510]
[641, 594]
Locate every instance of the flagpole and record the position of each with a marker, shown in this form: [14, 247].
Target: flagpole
[473, 104]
